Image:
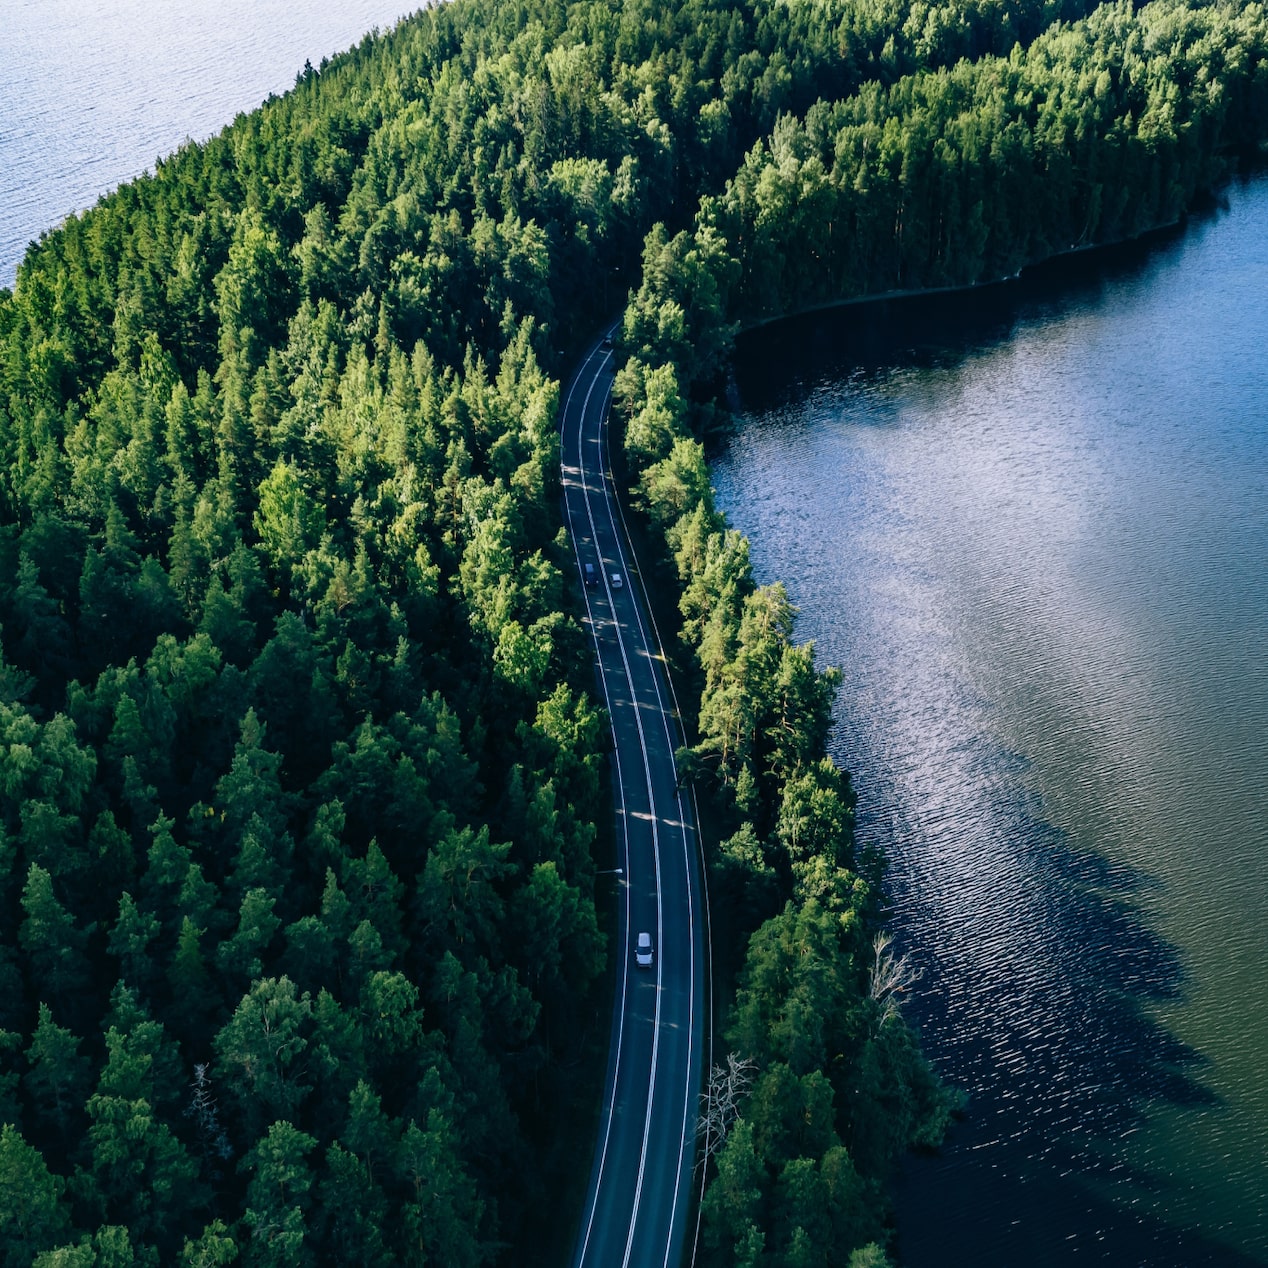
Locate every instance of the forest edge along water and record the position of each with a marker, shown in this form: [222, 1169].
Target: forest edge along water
[279, 460]
[95, 93]
[1099, 252]
[1029, 522]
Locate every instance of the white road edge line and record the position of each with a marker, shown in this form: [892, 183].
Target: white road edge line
[689, 1115]
[625, 821]
[689, 1111]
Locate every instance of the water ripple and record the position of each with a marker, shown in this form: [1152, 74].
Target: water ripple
[1032, 526]
[93, 94]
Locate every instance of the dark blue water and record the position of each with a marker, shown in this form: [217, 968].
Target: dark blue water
[93, 91]
[1031, 524]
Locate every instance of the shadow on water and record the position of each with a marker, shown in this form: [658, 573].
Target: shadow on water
[1062, 1058]
[781, 362]
[1056, 1037]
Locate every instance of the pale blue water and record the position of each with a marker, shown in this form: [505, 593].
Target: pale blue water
[1032, 525]
[93, 91]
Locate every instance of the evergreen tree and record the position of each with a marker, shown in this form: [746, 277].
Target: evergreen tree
[56, 1082]
[277, 1199]
[33, 1213]
[49, 936]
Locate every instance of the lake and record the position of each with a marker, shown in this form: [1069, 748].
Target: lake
[1031, 524]
[93, 93]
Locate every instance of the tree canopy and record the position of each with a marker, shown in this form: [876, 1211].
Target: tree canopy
[300, 764]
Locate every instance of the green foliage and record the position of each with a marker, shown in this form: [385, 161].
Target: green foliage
[33, 1213]
[54, 944]
[277, 1198]
[1096, 132]
[56, 1082]
[139, 1170]
[109, 1247]
[213, 1249]
[300, 774]
[261, 1049]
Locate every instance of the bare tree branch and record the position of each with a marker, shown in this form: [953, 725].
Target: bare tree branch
[720, 1101]
[202, 1109]
[891, 976]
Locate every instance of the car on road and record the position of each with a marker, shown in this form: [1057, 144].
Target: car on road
[643, 951]
[606, 343]
[617, 582]
[592, 576]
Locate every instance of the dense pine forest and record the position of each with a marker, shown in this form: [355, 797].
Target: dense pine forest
[304, 782]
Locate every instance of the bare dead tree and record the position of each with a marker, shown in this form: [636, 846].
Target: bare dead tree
[202, 1109]
[892, 975]
[720, 1101]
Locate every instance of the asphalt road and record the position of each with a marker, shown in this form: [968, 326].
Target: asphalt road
[639, 1200]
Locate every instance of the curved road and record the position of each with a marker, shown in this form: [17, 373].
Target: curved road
[639, 1199]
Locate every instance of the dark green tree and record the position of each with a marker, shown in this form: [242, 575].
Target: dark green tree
[34, 1215]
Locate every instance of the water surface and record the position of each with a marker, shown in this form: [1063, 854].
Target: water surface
[92, 92]
[1031, 524]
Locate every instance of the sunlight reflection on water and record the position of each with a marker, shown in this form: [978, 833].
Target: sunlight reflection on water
[93, 93]
[1032, 525]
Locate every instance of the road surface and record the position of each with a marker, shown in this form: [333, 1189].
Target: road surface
[639, 1200]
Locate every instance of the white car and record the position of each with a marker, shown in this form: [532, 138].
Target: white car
[617, 583]
[643, 951]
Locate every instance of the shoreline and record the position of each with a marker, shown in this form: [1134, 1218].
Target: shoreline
[1249, 167]
[924, 292]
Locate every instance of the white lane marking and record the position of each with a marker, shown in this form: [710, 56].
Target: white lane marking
[688, 1114]
[651, 797]
[585, 495]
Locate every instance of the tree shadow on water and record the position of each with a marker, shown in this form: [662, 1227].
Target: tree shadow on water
[1043, 981]
[785, 360]
[1058, 1043]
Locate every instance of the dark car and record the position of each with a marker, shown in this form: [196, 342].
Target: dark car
[591, 575]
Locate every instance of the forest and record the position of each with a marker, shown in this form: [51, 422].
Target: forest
[304, 790]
